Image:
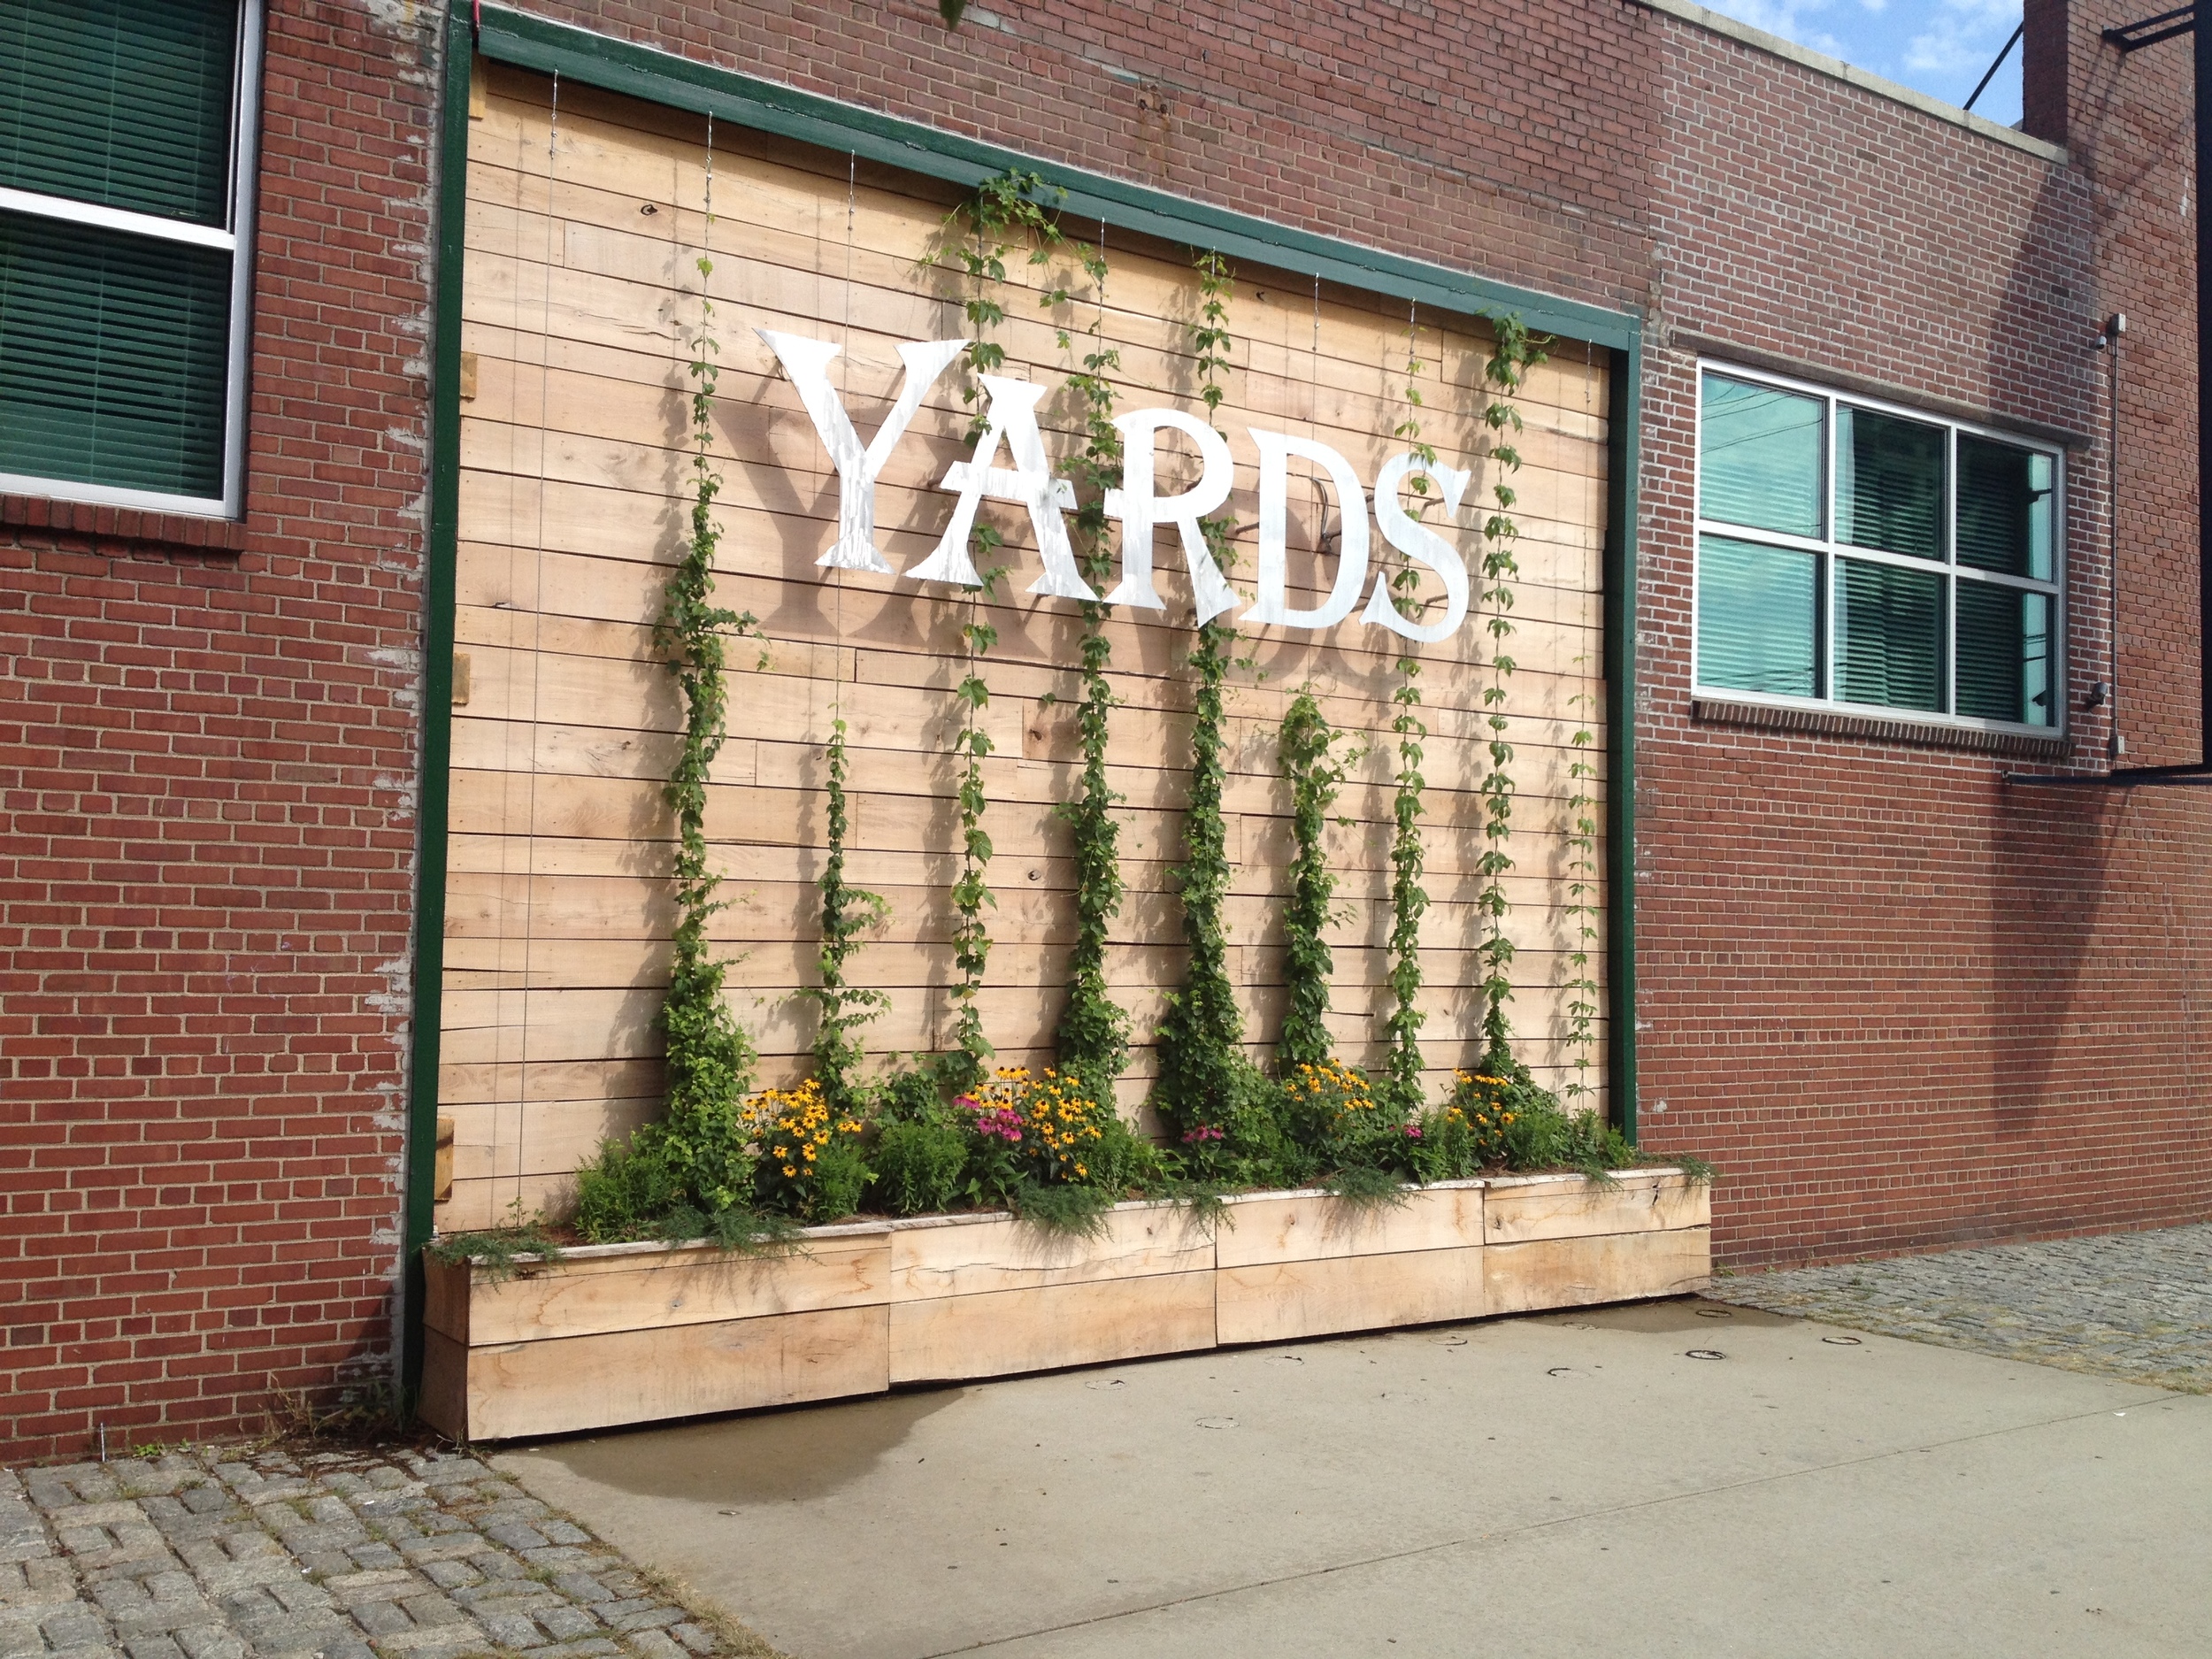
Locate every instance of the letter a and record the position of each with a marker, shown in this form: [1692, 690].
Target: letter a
[807, 363]
[1012, 419]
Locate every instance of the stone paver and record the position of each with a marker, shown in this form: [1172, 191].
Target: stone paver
[276, 1555]
[2131, 1305]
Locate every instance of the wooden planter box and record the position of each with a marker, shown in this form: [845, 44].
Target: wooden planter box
[639, 1332]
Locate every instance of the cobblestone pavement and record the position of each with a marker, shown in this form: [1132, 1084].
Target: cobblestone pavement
[2131, 1305]
[221, 1553]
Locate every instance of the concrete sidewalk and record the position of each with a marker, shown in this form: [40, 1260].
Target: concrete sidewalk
[1678, 1477]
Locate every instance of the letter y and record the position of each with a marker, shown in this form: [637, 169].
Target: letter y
[807, 363]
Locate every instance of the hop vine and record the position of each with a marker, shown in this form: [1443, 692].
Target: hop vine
[710, 1060]
[1094, 1031]
[847, 912]
[1409, 899]
[1513, 353]
[1003, 211]
[1582, 902]
[1306, 752]
[1202, 1031]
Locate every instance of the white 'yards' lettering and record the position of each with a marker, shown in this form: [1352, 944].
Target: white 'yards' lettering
[1010, 421]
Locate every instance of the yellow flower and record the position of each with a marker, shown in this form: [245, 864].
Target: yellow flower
[788, 1170]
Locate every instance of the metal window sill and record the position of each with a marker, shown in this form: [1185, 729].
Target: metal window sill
[1877, 728]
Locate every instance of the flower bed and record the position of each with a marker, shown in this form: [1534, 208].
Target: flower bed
[642, 1332]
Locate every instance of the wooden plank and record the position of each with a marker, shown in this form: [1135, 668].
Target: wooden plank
[573, 510]
[692, 1286]
[1611, 1267]
[967, 1257]
[584, 1382]
[1280, 1301]
[1002, 1333]
[1310, 1227]
[446, 1298]
[444, 1403]
[1521, 1208]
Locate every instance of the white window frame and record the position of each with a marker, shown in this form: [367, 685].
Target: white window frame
[236, 238]
[1829, 550]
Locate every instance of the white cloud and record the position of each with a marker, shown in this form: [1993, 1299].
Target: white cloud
[1960, 36]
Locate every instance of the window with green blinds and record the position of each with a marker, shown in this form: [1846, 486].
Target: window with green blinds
[121, 272]
[127, 104]
[1861, 557]
[114, 353]
[1758, 617]
[1759, 454]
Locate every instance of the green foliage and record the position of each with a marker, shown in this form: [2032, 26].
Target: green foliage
[810, 1163]
[1203, 1072]
[1094, 1031]
[1513, 353]
[920, 1166]
[1071, 1211]
[740, 1232]
[497, 1251]
[847, 911]
[696, 1155]
[1582, 903]
[911, 1097]
[1409, 859]
[1364, 1187]
[1305, 751]
[1339, 1120]
[1003, 213]
[622, 1192]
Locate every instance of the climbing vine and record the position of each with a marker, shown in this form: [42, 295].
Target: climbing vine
[710, 1060]
[1001, 212]
[1306, 752]
[1582, 911]
[1511, 357]
[847, 911]
[1409, 899]
[1094, 1032]
[1202, 1031]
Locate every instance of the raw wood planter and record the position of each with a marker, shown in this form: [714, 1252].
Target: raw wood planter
[637, 1333]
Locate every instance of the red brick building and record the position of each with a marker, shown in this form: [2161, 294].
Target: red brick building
[1900, 1001]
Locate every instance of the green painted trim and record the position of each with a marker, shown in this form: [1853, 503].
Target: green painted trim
[437, 690]
[1624, 425]
[663, 77]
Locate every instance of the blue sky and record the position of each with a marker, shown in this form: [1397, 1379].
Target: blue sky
[1938, 47]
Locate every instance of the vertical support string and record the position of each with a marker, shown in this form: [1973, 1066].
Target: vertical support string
[537, 610]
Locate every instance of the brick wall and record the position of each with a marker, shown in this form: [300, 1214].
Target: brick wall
[208, 750]
[1902, 1003]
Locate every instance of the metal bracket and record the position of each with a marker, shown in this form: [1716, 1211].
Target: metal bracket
[2132, 37]
[2120, 778]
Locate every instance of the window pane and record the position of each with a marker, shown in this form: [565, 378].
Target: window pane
[1760, 457]
[1889, 635]
[114, 353]
[2007, 498]
[1758, 617]
[124, 103]
[2005, 654]
[1889, 483]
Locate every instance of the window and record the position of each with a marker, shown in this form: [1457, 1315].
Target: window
[126, 181]
[1859, 557]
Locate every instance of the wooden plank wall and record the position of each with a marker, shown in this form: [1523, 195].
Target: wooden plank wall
[582, 302]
